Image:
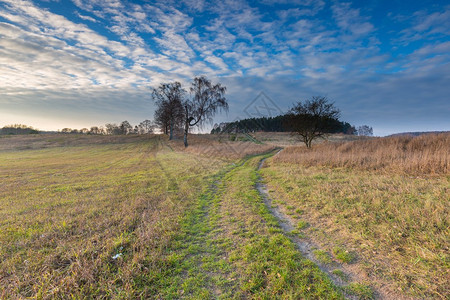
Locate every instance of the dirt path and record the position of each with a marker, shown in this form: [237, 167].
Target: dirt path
[340, 274]
[230, 246]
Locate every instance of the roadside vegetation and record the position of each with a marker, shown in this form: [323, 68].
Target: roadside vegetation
[382, 204]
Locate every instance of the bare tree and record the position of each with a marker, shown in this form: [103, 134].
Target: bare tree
[312, 118]
[112, 128]
[365, 130]
[207, 99]
[169, 112]
[146, 126]
[162, 119]
[66, 130]
[125, 127]
[94, 130]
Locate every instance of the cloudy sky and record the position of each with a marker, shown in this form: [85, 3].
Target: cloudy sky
[80, 63]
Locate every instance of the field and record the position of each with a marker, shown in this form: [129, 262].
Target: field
[385, 200]
[142, 217]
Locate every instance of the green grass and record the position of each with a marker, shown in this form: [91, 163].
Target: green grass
[343, 255]
[340, 274]
[267, 261]
[362, 291]
[302, 224]
[323, 256]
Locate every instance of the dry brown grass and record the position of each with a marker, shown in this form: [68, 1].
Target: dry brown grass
[217, 148]
[425, 154]
[386, 198]
[286, 139]
[40, 141]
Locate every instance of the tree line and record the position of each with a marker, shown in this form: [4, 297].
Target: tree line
[275, 124]
[145, 127]
[18, 129]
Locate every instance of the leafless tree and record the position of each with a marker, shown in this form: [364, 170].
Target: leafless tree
[312, 118]
[169, 113]
[146, 126]
[365, 130]
[66, 130]
[94, 130]
[207, 99]
[125, 127]
[112, 128]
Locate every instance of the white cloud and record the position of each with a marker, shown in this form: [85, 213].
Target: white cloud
[48, 52]
[438, 22]
[196, 5]
[87, 18]
[350, 20]
[290, 49]
[217, 61]
[423, 25]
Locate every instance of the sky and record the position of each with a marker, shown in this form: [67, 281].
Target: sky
[82, 63]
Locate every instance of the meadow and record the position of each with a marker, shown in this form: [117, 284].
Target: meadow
[129, 217]
[385, 201]
[132, 217]
[86, 217]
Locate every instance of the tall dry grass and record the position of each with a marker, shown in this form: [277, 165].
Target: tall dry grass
[425, 154]
[386, 198]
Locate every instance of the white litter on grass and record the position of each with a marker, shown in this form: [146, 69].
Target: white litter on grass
[117, 256]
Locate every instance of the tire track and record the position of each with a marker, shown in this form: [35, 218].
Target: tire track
[307, 247]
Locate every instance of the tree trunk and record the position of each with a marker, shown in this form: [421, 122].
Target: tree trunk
[171, 130]
[186, 127]
[310, 142]
[305, 140]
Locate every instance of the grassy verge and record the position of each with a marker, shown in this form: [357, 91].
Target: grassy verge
[396, 226]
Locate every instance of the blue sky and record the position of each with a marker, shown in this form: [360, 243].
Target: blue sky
[82, 63]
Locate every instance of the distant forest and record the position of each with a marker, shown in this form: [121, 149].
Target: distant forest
[18, 129]
[272, 124]
[275, 124]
